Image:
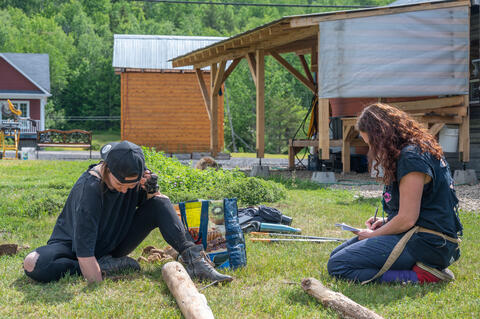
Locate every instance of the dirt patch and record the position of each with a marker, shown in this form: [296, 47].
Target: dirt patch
[8, 249]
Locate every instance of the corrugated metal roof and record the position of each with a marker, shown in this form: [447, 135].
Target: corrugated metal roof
[154, 51]
[35, 66]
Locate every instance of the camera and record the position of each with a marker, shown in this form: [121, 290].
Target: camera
[151, 185]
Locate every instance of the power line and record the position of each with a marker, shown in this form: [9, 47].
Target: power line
[256, 4]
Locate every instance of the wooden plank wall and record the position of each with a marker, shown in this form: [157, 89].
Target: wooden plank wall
[452, 158]
[166, 111]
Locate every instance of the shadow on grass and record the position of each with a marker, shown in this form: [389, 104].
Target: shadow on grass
[63, 291]
[45, 293]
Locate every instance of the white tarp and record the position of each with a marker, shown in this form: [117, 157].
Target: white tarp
[422, 53]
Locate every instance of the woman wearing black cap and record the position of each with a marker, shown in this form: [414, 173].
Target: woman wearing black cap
[108, 213]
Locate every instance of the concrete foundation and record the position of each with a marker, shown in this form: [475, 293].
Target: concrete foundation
[324, 177]
[260, 171]
[467, 176]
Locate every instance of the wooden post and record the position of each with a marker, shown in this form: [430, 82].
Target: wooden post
[323, 128]
[213, 111]
[260, 84]
[192, 304]
[323, 111]
[346, 147]
[291, 155]
[344, 306]
[464, 134]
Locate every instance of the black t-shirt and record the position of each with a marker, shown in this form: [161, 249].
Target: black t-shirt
[94, 220]
[437, 208]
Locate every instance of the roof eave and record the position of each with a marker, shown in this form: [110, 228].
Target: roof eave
[24, 74]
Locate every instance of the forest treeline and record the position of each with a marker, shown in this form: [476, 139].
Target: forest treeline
[78, 36]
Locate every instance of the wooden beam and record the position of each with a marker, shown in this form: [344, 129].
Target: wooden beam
[294, 71]
[260, 85]
[314, 58]
[306, 69]
[230, 69]
[452, 111]
[437, 119]
[277, 41]
[219, 77]
[436, 128]
[214, 111]
[252, 65]
[203, 89]
[429, 104]
[323, 128]
[302, 45]
[315, 20]
[303, 143]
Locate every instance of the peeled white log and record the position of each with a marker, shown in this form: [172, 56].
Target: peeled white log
[192, 304]
[346, 307]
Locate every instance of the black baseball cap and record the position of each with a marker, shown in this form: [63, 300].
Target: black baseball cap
[124, 159]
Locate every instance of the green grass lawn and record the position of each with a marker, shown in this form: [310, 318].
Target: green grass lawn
[32, 195]
[103, 137]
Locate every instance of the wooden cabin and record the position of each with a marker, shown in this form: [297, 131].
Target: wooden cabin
[414, 54]
[163, 107]
[25, 81]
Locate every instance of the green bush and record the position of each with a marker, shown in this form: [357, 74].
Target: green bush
[181, 183]
[252, 190]
[39, 188]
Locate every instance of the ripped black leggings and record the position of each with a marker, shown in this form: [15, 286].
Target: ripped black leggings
[56, 260]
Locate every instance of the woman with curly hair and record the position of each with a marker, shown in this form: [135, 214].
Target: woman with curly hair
[419, 238]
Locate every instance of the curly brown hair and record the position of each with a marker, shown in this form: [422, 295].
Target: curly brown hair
[389, 130]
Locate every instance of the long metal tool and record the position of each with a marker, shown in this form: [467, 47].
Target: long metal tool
[273, 240]
[297, 236]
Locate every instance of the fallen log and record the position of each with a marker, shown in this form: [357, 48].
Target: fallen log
[192, 304]
[346, 307]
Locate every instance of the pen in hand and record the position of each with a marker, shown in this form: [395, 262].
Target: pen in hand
[375, 216]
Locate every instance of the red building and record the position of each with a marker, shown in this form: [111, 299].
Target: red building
[25, 80]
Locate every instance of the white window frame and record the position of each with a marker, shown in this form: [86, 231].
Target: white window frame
[17, 104]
